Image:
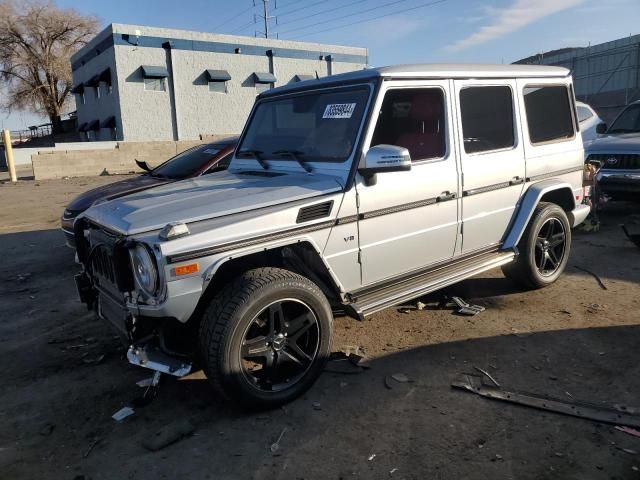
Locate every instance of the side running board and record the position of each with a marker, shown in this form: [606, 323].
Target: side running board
[372, 300]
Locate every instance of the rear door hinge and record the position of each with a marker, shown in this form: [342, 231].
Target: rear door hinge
[360, 257]
[357, 201]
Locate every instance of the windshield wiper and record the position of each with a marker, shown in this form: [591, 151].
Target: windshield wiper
[257, 154]
[295, 154]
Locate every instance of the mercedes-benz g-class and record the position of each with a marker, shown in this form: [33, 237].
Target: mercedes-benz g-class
[349, 193]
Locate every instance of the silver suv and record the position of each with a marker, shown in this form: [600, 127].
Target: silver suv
[350, 193]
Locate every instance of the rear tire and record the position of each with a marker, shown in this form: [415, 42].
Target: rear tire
[544, 248]
[265, 337]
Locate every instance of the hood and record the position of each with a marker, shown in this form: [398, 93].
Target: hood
[618, 143]
[113, 190]
[206, 197]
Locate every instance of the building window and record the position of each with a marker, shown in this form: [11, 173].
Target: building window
[155, 84]
[413, 119]
[262, 87]
[548, 113]
[487, 118]
[218, 87]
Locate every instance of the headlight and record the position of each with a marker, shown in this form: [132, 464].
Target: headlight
[144, 269]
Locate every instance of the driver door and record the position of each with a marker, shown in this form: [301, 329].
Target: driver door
[409, 220]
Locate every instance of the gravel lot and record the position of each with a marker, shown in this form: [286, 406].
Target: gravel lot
[571, 340]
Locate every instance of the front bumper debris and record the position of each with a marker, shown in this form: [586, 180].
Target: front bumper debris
[148, 354]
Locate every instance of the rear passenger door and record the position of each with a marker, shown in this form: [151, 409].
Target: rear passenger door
[409, 220]
[492, 159]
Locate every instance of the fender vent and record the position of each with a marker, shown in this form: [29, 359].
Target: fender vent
[313, 212]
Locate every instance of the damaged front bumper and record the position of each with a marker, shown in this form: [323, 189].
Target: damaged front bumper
[149, 354]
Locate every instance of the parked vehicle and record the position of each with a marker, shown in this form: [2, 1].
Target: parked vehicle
[349, 193]
[618, 151]
[196, 161]
[589, 120]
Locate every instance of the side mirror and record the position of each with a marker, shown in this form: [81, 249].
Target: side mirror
[143, 165]
[601, 128]
[384, 158]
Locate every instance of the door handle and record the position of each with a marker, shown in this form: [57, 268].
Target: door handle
[516, 180]
[444, 196]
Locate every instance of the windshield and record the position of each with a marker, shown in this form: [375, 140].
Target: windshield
[628, 121]
[188, 162]
[311, 127]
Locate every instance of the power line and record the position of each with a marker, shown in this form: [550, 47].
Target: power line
[303, 8]
[322, 11]
[242, 27]
[374, 18]
[346, 16]
[233, 18]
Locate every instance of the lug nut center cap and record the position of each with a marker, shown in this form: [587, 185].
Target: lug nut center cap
[279, 342]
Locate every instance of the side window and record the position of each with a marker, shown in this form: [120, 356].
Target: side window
[487, 118]
[154, 84]
[548, 113]
[414, 119]
[584, 113]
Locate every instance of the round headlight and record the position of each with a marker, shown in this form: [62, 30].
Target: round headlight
[144, 269]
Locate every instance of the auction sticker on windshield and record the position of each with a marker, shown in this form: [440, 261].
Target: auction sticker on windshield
[339, 110]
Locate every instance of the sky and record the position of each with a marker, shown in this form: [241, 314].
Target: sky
[394, 31]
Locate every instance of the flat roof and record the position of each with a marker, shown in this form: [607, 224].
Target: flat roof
[433, 70]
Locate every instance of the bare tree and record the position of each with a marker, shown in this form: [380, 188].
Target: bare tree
[37, 40]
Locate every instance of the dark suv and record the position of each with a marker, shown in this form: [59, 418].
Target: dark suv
[618, 151]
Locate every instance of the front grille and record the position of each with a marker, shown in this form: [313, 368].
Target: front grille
[623, 161]
[102, 263]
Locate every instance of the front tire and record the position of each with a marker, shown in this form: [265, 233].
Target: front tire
[544, 248]
[265, 337]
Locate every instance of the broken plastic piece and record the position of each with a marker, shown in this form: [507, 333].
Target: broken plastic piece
[465, 308]
[123, 413]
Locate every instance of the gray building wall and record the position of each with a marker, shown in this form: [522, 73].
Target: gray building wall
[192, 110]
[606, 76]
[107, 105]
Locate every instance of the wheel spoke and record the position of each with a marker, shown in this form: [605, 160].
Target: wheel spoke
[557, 239]
[286, 356]
[550, 229]
[276, 317]
[301, 354]
[256, 347]
[299, 325]
[552, 258]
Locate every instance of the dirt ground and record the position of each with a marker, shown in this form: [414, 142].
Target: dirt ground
[573, 340]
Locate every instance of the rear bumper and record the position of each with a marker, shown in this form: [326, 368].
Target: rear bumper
[579, 214]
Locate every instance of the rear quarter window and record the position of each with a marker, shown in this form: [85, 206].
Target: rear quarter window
[549, 116]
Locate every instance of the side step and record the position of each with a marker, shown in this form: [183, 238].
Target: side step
[408, 288]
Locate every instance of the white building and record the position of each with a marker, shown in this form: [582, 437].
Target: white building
[140, 83]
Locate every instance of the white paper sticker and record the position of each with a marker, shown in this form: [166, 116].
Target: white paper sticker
[339, 110]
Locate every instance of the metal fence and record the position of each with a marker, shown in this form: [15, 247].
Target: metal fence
[606, 76]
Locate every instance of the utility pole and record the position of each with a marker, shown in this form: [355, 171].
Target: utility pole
[266, 17]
